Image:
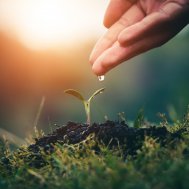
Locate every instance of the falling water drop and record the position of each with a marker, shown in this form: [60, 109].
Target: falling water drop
[101, 78]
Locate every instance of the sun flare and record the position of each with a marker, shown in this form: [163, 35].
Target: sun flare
[45, 23]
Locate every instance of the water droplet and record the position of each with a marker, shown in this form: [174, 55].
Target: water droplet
[101, 78]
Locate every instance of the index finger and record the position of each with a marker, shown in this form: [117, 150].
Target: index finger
[132, 16]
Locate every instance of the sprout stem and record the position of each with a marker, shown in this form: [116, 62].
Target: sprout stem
[87, 111]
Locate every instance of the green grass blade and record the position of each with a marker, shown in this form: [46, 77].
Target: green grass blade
[12, 138]
[39, 111]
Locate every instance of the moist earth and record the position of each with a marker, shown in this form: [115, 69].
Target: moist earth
[111, 133]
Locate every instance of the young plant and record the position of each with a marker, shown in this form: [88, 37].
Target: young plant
[86, 103]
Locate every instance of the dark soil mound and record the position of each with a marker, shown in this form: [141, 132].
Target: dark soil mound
[110, 132]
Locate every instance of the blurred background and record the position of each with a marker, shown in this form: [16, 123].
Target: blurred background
[44, 49]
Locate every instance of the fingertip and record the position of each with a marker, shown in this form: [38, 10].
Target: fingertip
[121, 39]
[109, 59]
[107, 23]
[98, 69]
[125, 37]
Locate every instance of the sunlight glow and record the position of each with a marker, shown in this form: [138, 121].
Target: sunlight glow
[45, 23]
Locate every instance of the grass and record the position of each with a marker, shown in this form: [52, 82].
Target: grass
[81, 166]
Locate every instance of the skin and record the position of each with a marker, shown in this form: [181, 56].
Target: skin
[134, 27]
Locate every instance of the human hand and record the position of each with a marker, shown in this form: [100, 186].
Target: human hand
[136, 26]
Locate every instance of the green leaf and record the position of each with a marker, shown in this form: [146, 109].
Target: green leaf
[75, 93]
[99, 91]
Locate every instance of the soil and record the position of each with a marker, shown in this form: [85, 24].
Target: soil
[110, 133]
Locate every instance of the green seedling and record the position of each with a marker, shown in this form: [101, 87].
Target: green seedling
[86, 103]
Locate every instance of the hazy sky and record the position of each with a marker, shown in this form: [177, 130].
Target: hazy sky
[42, 23]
